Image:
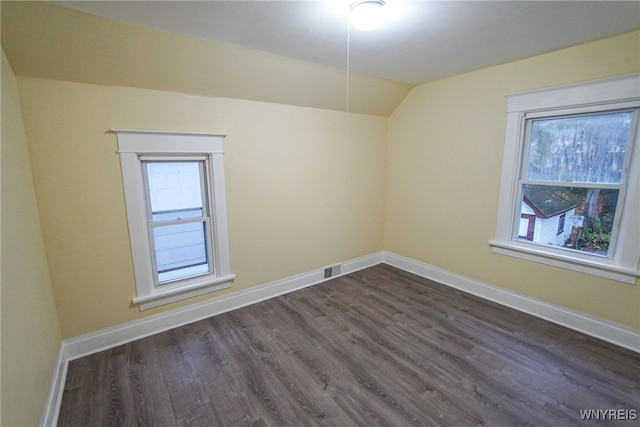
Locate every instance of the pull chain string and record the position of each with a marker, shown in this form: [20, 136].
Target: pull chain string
[348, 73]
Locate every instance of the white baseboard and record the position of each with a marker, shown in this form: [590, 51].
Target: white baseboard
[93, 342]
[614, 333]
[56, 389]
[123, 333]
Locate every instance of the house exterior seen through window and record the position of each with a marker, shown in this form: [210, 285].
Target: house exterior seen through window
[570, 187]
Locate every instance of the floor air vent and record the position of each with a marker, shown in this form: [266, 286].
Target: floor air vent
[331, 271]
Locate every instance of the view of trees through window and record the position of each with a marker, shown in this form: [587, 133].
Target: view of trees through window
[574, 168]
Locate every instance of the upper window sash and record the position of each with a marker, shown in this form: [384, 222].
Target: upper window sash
[203, 173]
[526, 173]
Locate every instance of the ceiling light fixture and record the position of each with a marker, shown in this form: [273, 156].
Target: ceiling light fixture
[367, 15]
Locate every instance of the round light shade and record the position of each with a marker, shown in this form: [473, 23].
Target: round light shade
[367, 15]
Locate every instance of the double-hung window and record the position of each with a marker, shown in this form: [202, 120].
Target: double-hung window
[570, 188]
[175, 200]
[179, 221]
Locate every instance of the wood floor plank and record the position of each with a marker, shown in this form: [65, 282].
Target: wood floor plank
[379, 347]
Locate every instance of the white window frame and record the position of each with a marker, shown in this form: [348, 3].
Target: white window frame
[136, 146]
[593, 96]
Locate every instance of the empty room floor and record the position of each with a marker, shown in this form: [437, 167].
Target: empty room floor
[376, 347]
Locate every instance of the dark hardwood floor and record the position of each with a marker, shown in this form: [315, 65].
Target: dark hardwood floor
[376, 347]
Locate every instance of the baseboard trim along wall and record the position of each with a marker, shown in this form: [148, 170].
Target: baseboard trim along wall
[605, 330]
[54, 399]
[93, 342]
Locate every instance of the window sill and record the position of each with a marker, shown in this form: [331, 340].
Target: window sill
[593, 267]
[168, 295]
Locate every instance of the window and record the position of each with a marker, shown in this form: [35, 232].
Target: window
[591, 153]
[569, 191]
[178, 217]
[175, 200]
[561, 223]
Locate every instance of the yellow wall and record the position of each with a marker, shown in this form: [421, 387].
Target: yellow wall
[300, 195]
[443, 175]
[30, 329]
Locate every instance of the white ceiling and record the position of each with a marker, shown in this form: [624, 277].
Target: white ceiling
[422, 41]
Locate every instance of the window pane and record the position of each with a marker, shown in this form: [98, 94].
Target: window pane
[175, 190]
[579, 219]
[586, 148]
[181, 250]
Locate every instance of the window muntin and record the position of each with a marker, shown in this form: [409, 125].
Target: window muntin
[178, 218]
[576, 166]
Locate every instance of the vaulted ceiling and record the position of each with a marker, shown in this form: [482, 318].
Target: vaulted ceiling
[420, 42]
[295, 52]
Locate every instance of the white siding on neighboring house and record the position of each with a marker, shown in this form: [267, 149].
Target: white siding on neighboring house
[548, 233]
[546, 229]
